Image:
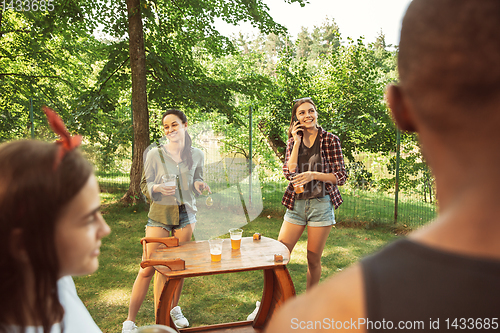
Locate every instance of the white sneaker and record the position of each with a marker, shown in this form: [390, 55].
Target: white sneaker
[129, 327]
[252, 315]
[179, 320]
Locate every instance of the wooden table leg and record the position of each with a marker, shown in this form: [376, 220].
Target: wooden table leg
[164, 289]
[278, 287]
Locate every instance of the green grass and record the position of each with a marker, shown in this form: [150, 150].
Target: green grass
[113, 181]
[210, 299]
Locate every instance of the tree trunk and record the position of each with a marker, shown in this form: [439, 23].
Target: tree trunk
[275, 142]
[139, 99]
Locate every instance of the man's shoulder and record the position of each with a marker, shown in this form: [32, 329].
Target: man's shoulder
[339, 299]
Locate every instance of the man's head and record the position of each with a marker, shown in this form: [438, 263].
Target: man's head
[449, 65]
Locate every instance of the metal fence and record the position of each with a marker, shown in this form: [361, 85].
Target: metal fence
[364, 198]
[367, 195]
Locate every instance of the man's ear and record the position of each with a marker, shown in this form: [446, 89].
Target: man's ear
[399, 109]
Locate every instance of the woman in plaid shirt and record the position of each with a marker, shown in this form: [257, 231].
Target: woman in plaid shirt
[315, 166]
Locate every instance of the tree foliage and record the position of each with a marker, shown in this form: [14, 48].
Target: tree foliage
[51, 58]
[351, 89]
[60, 59]
[346, 81]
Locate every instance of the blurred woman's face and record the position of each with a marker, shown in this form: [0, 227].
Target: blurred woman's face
[79, 232]
[173, 128]
[307, 116]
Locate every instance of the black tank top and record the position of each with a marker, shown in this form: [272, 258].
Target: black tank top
[409, 284]
[309, 159]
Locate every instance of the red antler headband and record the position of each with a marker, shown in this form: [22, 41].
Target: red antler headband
[67, 142]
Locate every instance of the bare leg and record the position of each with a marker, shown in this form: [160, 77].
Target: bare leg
[290, 234]
[184, 235]
[316, 240]
[141, 284]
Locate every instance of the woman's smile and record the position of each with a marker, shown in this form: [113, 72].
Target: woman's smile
[306, 114]
[173, 127]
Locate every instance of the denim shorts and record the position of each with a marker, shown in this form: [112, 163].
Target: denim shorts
[184, 220]
[315, 212]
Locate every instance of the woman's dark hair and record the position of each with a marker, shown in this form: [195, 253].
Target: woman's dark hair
[298, 102]
[33, 196]
[186, 154]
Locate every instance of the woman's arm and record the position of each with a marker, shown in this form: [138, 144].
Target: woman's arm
[152, 165]
[288, 153]
[336, 174]
[148, 185]
[198, 173]
[324, 177]
[307, 176]
[294, 155]
[198, 184]
[337, 159]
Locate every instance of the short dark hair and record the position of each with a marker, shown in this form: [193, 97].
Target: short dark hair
[449, 55]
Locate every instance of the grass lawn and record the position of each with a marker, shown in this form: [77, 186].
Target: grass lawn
[210, 299]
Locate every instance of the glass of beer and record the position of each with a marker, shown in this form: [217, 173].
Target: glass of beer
[297, 188]
[169, 180]
[235, 238]
[215, 249]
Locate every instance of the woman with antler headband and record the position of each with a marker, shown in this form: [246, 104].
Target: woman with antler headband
[50, 229]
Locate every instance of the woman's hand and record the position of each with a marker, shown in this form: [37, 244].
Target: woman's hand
[200, 186]
[297, 127]
[303, 178]
[165, 190]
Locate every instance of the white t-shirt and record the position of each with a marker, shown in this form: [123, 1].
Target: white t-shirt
[76, 319]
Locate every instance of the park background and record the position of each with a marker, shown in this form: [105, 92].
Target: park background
[237, 92]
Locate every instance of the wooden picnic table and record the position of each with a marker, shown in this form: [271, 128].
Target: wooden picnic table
[190, 259]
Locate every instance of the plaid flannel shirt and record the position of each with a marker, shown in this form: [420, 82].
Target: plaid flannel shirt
[332, 162]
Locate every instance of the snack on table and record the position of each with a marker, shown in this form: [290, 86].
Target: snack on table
[278, 258]
[256, 236]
